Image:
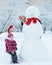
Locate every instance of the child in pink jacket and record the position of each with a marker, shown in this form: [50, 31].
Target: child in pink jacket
[11, 47]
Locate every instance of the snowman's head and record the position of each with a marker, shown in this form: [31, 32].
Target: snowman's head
[32, 12]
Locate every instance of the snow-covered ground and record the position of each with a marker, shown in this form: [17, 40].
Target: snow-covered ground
[5, 56]
[19, 37]
[47, 39]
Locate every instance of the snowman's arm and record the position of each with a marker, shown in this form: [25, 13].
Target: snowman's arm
[40, 21]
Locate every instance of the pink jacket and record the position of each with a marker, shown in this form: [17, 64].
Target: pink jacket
[10, 45]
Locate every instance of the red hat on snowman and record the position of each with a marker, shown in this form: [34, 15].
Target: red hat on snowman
[9, 32]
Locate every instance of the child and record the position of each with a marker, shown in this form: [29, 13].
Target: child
[23, 20]
[11, 47]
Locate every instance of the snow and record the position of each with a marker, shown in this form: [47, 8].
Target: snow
[47, 40]
[19, 37]
[6, 7]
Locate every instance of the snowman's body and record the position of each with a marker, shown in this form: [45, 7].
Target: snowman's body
[32, 48]
[32, 30]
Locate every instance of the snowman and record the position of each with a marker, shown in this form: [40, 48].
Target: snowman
[33, 49]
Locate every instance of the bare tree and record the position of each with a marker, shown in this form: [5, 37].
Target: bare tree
[5, 23]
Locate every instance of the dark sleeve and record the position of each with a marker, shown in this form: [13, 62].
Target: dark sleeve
[21, 23]
[40, 21]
